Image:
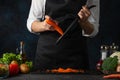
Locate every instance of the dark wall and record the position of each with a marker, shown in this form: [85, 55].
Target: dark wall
[13, 16]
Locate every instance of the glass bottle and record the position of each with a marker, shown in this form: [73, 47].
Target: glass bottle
[104, 51]
[22, 51]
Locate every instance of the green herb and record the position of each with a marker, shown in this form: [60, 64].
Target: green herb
[30, 64]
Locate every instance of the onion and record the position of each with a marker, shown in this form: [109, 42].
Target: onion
[24, 68]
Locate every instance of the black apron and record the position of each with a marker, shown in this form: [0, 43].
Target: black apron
[71, 52]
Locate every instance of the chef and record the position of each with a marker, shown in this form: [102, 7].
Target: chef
[72, 51]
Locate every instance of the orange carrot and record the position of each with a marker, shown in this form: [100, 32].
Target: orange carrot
[67, 70]
[53, 24]
[110, 76]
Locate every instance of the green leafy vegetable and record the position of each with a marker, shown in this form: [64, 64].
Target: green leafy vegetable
[1, 60]
[30, 64]
[110, 64]
[8, 57]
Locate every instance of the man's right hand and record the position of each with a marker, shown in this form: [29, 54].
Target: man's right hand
[38, 26]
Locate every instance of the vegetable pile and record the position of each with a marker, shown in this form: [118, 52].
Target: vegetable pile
[15, 64]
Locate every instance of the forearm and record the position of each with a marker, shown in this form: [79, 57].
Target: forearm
[37, 27]
[87, 27]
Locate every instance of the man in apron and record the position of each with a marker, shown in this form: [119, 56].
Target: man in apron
[72, 51]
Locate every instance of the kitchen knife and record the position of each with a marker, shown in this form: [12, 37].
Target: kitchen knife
[70, 28]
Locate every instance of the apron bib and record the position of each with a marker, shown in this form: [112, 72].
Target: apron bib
[71, 52]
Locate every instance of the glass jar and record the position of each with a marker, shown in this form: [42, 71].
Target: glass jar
[4, 70]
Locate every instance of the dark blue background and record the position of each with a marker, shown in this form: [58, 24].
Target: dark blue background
[13, 17]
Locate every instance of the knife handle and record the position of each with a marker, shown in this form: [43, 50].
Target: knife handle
[92, 6]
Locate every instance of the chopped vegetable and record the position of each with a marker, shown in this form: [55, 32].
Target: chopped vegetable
[67, 70]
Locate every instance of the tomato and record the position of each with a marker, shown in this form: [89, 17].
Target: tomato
[13, 69]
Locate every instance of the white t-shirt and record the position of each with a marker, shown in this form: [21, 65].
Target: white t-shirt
[37, 11]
